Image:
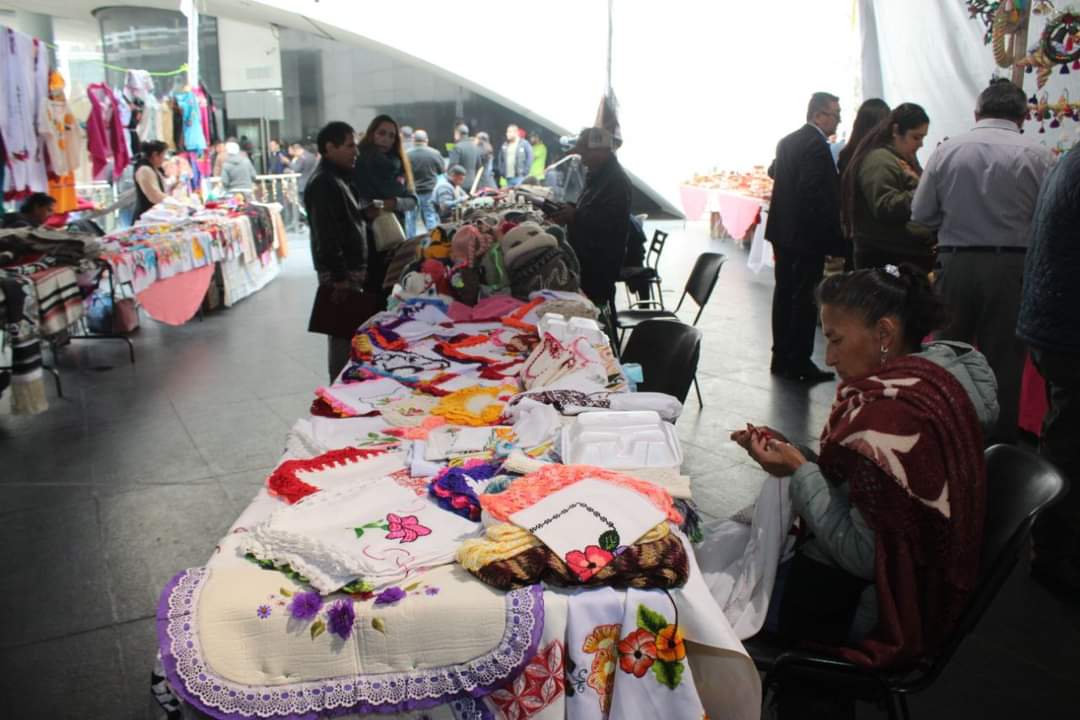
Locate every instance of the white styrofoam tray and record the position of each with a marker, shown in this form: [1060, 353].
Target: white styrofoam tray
[621, 440]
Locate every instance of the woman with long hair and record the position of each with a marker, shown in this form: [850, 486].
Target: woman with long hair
[382, 174]
[870, 114]
[877, 188]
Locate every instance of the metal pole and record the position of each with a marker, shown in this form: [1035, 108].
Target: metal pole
[188, 8]
[610, 13]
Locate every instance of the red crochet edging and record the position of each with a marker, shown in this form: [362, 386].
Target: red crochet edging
[284, 483]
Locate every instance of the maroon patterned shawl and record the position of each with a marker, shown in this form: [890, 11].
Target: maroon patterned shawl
[907, 440]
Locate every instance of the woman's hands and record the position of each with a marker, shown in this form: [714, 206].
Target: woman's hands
[769, 449]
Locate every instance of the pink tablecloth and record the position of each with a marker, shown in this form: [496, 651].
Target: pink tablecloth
[175, 300]
[1033, 404]
[737, 212]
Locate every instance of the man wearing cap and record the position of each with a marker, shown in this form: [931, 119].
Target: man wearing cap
[448, 191]
[599, 222]
[466, 153]
[427, 166]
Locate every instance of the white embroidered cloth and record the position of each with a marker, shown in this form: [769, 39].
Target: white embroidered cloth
[378, 531]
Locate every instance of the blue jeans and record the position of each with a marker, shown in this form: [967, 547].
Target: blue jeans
[515, 181]
[410, 224]
[428, 211]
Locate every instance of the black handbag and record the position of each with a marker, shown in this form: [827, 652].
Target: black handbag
[341, 318]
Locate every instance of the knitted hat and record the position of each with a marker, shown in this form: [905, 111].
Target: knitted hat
[523, 240]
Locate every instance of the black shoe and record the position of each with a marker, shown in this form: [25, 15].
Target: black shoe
[811, 373]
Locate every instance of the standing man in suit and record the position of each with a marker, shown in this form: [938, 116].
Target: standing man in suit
[803, 227]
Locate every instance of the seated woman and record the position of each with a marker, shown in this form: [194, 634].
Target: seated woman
[892, 509]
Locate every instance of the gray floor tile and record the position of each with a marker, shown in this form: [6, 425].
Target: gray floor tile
[54, 573]
[156, 449]
[67, 679]
[238, 436]
[153, 533]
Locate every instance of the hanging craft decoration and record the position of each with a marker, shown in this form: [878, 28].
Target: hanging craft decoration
[1060, 42]
[1008, 25]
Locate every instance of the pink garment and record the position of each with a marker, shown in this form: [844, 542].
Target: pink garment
[1033, 403]
[204, 113]
[175, 300]
[489, 309]
[104, 131]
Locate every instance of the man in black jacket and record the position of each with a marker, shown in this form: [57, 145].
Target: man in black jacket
[803, 227]
[338, 232]
[466, 153]
[1050, 325]
[599, 223]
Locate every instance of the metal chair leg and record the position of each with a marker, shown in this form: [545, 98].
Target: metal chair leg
[697, 389]
[56, 379]
[904, 712]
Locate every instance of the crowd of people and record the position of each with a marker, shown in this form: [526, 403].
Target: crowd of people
[953, 273]
[390, 169]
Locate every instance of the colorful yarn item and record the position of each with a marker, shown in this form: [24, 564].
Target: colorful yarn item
[453, 491]
[532, 488]
[474, 406]
[284, 483]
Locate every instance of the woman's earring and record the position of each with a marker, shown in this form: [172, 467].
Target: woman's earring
[884, 354]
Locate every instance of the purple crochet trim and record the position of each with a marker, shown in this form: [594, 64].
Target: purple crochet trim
[451, 489]
[195, 683]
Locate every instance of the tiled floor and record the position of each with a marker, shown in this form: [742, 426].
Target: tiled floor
[138, 471]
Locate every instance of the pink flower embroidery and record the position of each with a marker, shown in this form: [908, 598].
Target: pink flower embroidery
[588, 563]
[406, 529]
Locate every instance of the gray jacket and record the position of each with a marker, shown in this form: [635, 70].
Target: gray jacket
[841, 536]
[238, 173]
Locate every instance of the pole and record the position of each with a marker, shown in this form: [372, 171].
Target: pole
[187, 7]
[610, 13]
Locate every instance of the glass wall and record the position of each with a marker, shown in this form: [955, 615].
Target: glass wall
[156, 40]
[329, 80]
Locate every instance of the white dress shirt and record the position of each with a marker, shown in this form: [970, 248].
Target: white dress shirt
[979, 188]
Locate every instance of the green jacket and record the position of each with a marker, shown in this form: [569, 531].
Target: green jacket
[882, 212]
[539, 162]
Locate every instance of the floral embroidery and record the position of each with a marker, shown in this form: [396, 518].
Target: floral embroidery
[637, 652]
[432, 591]
[655, 645]
[340, 619]
[539, 684]
[588, 563]
[405, 529]
[305, 605]
[669, 644]
[389, 596]
[263, 611]
[602, 642]
[575, 677]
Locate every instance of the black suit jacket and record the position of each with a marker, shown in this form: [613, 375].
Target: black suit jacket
[804, 215]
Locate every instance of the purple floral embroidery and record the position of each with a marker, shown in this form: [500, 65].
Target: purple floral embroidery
[341, 616]
[389, 596]
[431, 591]
[305, 605]
[263, 611]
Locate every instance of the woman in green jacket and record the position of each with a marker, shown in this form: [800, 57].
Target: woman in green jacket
[877, 188]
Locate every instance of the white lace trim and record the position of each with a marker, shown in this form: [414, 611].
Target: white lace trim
[524, 619]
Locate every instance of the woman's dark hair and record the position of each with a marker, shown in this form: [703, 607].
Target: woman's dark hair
[870, 114]
[152, 147]
[875, 293]
[905, 117]
[36, 200]
[333, 132]
[367, 145]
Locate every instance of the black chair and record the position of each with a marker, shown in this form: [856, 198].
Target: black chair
[668, 353]
[648, 273]
[1019, 486]
[699, 286]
